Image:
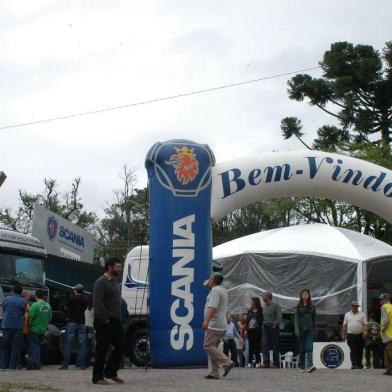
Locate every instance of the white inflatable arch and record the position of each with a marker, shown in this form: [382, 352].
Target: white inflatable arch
[301, 173]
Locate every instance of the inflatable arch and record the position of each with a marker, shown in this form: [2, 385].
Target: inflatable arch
[187, 189]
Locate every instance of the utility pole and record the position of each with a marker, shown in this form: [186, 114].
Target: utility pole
[2, 177]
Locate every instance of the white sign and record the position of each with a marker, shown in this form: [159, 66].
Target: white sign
[301, 173]
[62, 238]
[331, 355]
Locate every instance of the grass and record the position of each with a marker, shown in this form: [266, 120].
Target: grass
[10, 387]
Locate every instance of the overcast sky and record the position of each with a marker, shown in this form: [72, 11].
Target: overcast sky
[65, 57]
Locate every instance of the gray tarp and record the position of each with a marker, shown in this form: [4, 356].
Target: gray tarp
[332, 283]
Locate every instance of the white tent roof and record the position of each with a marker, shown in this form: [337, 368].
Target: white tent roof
[314, 239]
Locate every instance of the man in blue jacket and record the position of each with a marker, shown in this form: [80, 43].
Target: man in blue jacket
[14, 307]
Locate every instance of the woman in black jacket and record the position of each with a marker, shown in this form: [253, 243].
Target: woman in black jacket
[305, 329]
[255, 323]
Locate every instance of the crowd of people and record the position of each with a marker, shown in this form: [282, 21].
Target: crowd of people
[258, 329]
[26, 321]
[249, 341]
[256, 333]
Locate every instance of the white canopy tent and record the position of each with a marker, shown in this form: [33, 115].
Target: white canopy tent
[332, 262]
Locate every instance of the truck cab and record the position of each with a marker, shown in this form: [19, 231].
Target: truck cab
[21, 262]
[134, 290]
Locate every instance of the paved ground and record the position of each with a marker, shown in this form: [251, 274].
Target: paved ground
[191, 380]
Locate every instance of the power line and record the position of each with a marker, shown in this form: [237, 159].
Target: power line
[154, 100]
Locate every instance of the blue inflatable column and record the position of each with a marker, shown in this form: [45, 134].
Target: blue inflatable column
[179, 173]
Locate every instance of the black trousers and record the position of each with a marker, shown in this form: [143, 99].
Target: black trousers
[254, 338]
[356, 344]
[229, 345]
[108, 334]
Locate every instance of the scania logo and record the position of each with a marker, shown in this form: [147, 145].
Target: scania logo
[182, 166]
[332, 356]
[185, 164]
[52, 228]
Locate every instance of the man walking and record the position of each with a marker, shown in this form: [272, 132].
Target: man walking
[13, 321]
[215, 325]
[76, 306]
[355, 329]
[39, 317]
[107, 316]
[386, 331]
[272, 319]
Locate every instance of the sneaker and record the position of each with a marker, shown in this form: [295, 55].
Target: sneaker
[102, 382]
[63, 368]
[211, 377]
[30, 365]
[249, 366]
[228, 368]
[302, 371]
[368, 367]
[258, 365]
[117, 379]
[311, 369]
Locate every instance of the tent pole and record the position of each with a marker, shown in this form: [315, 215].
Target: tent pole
[364, 287]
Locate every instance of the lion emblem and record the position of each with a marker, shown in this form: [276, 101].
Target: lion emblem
[185, 164]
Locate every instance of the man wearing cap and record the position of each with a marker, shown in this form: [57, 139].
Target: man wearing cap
[355, 329]
[76, 306]
[215, 325]
[386, 331]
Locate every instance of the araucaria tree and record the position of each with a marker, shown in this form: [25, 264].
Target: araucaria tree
[356, 91]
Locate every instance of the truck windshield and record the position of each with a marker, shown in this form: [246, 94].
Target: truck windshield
[25, 270]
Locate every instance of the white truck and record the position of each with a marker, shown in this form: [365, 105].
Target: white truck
[135, 292]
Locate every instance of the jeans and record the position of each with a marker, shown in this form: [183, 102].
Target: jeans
[108, 334]
[12, 347]
[35, 340]
[244, 354]
[79, 330]
[271, 340]
[305, 341]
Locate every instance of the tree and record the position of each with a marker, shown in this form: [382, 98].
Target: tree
[356, 90]
[291, 126]
[125, 224]
[67, 204]
[259, 216]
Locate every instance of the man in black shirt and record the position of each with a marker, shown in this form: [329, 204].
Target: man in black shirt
[76, 306]
[107, 316]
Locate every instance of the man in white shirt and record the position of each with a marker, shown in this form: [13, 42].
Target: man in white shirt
[355, 329]
[215, 325]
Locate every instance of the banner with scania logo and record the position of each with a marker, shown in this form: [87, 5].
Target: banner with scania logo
[179, 173]
[62, 238]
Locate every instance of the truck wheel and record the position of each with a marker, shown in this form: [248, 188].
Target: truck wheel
[139, 347]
